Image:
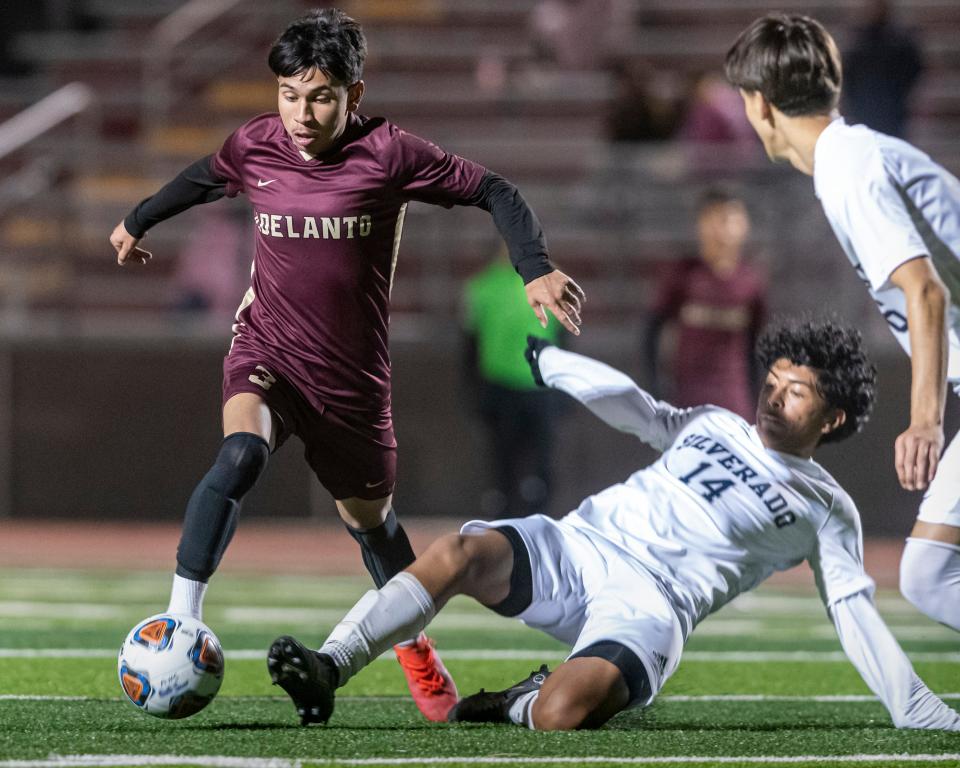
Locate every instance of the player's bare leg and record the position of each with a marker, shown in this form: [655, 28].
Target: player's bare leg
[247, 412]
[460, 562]
[212, 511]
[583, 692]
[387, 551]
[947, 534]
[477, 565]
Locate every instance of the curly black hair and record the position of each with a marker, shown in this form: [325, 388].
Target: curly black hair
[846, 379]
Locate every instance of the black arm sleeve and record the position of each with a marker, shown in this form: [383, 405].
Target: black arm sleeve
[517, 224]
[193, 185]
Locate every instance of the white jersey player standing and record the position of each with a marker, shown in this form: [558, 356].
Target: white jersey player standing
[626, 577]
[897, 215]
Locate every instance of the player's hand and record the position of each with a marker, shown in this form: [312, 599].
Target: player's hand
[917, 455]
[560, 295]
[126, 247]
[535, 346]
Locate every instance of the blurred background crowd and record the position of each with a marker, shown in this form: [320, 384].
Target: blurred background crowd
[613, 118]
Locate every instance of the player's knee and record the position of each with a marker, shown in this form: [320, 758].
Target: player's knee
[240, 462]
[562, 709]
[467, 566]
[452, 555]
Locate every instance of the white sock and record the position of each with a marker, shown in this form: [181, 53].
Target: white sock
[187, 597]
[397, 611]
[930, 579]
[521, 711]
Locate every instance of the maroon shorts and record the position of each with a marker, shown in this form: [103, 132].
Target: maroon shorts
[350, 457]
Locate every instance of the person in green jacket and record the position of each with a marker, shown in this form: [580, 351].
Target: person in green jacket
[516, 412]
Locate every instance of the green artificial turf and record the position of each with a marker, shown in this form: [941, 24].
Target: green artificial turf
[78, 619]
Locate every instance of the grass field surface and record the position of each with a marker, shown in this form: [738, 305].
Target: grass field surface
[764, 682]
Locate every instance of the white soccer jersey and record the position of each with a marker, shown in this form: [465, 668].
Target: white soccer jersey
[714, 516]
[718, 512]
[888, 203]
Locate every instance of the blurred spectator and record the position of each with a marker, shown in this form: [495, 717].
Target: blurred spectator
[517, 414]
[645, 104]
[490, 73]
[579, 34]
[717, 303]
[213, 269]
[714, 113]
[880, 68]
[714, 127]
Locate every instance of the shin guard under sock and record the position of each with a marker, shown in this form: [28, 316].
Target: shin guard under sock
[385, 549]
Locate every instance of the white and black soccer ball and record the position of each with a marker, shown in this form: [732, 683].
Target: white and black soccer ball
[170, 665]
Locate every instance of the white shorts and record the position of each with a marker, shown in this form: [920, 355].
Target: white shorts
[941, 502]
[586, 590]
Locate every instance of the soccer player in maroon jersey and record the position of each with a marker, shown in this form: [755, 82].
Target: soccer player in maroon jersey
[309, 356]
[717, 303]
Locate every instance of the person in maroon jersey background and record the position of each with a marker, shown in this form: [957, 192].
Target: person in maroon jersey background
[309, 355]
[717, 302]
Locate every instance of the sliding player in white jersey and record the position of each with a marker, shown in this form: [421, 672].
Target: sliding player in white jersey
[897, 215]
[626, 577]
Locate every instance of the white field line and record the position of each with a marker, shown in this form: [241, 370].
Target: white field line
[854, 698]
[25, 609]
[57, 592]
[745, 608]
[248, 615]
[479, 654]
[760, 656]
[217, 761]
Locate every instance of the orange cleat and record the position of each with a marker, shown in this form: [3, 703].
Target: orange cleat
[431, 686]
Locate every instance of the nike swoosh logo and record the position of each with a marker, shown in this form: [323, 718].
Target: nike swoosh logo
[373, 485]
[262, 183]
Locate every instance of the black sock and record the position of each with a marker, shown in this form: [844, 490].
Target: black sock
[386, 549]
[211, 516]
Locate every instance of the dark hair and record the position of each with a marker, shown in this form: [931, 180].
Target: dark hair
[325, 39]
[846, 378]
[791, 60]
[717, 195]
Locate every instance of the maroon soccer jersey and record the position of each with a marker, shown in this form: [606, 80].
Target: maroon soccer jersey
[717, 317]
[327, 231]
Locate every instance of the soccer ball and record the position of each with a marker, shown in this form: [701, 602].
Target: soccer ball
[170, 666]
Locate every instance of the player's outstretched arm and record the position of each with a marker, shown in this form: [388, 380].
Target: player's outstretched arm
[882, 664]
[547, 287]
[194, 185]
[917, 450]
[610, 394]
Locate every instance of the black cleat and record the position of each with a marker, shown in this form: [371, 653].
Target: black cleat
[308, 677]
[494, 706]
